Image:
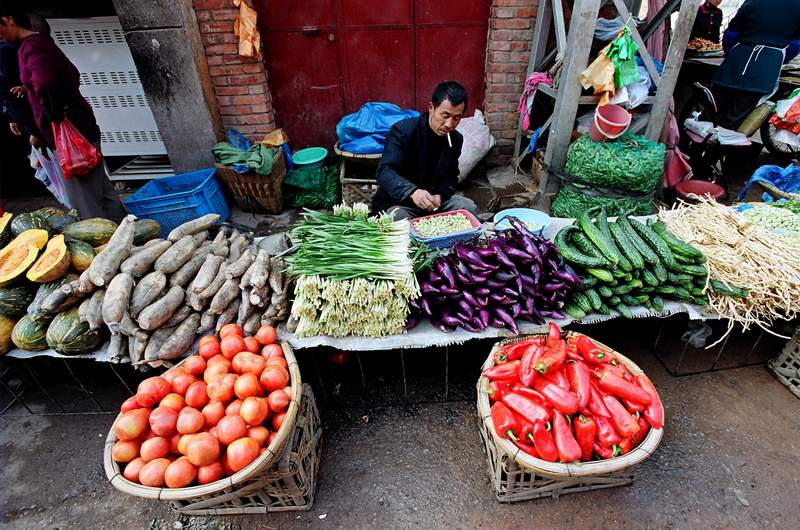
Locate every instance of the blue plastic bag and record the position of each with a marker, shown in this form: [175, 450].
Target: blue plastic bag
[785, 179]
[365, 131]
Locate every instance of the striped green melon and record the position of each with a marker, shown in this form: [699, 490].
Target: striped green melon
[60, 222]
[30, 335]
[96, 231]
[49, 212]
[67, 335]
[26, 221]
[81, 254]
[144, 230]
[14, 300]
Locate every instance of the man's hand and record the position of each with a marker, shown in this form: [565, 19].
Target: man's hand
[15, 130]
[18, 91]
[437, 201]
[423, 199]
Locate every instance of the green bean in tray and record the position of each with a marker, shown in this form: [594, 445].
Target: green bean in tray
[628, 263]
[441, 225]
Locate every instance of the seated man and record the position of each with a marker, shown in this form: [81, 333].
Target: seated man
[418, 172]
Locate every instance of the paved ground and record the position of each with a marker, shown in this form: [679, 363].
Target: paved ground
[396, 458]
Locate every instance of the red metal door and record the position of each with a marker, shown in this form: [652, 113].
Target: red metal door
[326, 58]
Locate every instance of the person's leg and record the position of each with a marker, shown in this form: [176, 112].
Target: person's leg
[459, 202]
[733, 105]
[112, 205]
[93, 195]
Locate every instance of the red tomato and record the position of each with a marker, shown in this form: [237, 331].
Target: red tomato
[130, 404]
[230, 329]
[125, 451]
[173, 401]
[209, 347]
[274, 377]
[210, 473]
[272, 350]
[231, 428]
[181, 382]
[278, 401]
[203, 449]
[241, 452]
[163, 421]
[246, 361]
[247, 385]
[132, 469]
[233, 408]
[254, 411]
[231, 345]
[152, 390]
[180, 473]
[222, 389]
[174, 441]
[132, 424]
[197, 395]
[259, 434]
[278, 361]
[266, 335]
[153, 448]
[195, 365]
[252, 345]
[190, 421]
[183, 443]
[213, 412]
[277, 421]
[152, 473]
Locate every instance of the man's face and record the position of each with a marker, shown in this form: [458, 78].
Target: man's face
[8, 30]
[715, 3]
[444, 118]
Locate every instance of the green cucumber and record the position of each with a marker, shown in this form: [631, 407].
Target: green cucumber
[634, 300]
[614, 301]
[601, 274]
[697, 291]
[660, 272]
[682, 294]
[594, 298]
[574, 311]
[696, 300]
[605, 291]
[583, 244]
[604, 310]
[665, 289]
[647, 289]
[641, 247]
[658, 303]
[589, 281]
[571, 254]
[602, 225]
[654, 240]
[597, 237]
[649, 278]
[674, 243]
[623, 289]
[623, 310]
[619, 274]
[582, 301]
[620, 236]
[694, 270]
[734, 292]
[678, 279]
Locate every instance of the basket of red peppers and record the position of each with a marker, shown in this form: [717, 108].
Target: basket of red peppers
[568, 406]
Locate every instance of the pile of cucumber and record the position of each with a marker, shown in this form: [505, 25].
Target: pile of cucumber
[627, 263]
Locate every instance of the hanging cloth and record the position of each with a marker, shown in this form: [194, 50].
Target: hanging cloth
[246, 29]
[528, 93]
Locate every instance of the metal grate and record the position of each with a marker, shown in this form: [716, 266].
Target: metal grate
[130, 77]
[115, 102]
[125, 137]
[89, 36]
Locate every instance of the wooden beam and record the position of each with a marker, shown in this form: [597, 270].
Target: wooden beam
[581, 31]
[541, 32]
[645, 55]
[561, 30]
[672, 67]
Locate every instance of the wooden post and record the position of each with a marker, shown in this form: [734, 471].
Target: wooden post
[581, 32]
[672, 67]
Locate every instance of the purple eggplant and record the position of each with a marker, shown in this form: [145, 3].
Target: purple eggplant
[443, 268]
[414, 303]
[557, 315]
[466, 307]
[483, 314]
[423, 304]
[484, 252]
[521, 227]
[470, 299]
[496, 297]
[504, 277]
[462, 317]
[518, 281]
[515, 309]
[412, 322]
[501, 255]
[472, 258]
[497, 323]
[565, 276]
[428, 288]
[449, 319]
[503, 315]
[553, 287]
[483, 301]
[482, 291]
[526, 280]
[450, 292]
[536, 316]
[470, 328]
[494, 284]
[531, 291]
[513, 252]
[511, 293]
[438, 324]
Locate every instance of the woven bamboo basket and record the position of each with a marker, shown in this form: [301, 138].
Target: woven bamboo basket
[260, 466]
[518, 476]
[357, 189]
[786, 366]
[253, 192]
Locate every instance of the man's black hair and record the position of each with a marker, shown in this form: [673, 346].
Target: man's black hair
[450, 91]
[14, 10]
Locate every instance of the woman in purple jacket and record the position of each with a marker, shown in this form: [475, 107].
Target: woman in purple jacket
[52, 84]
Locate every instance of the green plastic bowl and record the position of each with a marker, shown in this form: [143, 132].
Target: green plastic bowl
[311, 156]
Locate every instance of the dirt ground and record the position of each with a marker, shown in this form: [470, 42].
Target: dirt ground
[398, 456]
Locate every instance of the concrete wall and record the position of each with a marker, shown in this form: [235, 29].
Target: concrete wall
[166, 46]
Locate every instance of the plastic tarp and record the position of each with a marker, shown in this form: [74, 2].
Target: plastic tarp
[365, 131]
[785, 179]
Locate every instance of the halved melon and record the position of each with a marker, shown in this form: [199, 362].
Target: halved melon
[5, 228]
[35, 236]
[14, 260]
[53, 262]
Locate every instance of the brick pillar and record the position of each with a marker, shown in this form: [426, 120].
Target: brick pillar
[509, 46]
[240, 83]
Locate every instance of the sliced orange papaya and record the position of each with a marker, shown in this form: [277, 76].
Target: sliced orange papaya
[15, 260]
[53, 262]
[34, 236]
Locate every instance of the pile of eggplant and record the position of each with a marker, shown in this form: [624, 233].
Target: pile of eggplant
[516, 275]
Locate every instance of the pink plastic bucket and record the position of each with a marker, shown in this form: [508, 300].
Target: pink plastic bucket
[610, 121]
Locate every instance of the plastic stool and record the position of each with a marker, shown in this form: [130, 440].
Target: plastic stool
[699, 187]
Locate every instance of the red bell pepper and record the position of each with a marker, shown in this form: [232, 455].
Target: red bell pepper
[527, 373]
[625, 445]
[496, 389]
[553, 335]
[559, 377]
[504, 372]
[623, 422]
[543, 441]
[606, 434]
[526, 407]
[642, 432]
[562, 400]
[525, 430]
[505, 423]
[515, 350]
[594, 353]
[603, 451]
[572, 349]
[553, 358]
[596, 406]
[579, 382]
[617, 386]
[655, 411]
[585, 430]
[532, 394]
[632, 406]
[531, 450]
[568, 448]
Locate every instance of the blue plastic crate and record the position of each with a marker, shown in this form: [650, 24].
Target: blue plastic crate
[448, 240]
[173, 201]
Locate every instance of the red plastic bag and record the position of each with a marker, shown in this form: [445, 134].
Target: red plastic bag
[76, 155]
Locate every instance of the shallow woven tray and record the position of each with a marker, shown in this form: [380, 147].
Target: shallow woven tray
[261, 464]
[556, 469]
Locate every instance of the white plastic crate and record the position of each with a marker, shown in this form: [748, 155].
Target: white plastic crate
[786, 366]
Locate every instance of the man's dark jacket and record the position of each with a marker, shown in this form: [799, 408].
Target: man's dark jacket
[404, 165]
